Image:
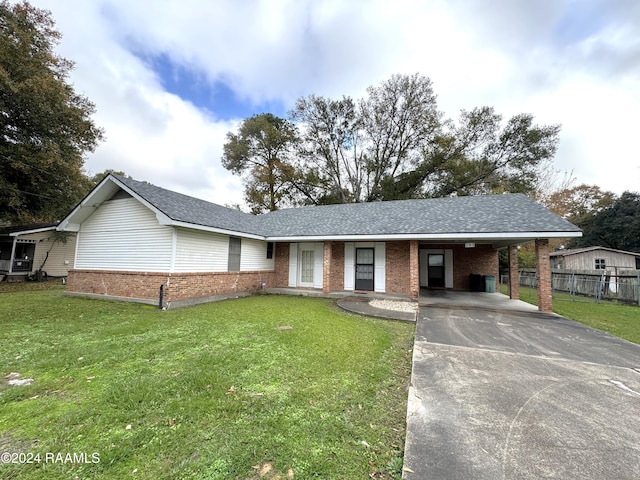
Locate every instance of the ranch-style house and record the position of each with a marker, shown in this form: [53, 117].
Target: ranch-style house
[133, 237]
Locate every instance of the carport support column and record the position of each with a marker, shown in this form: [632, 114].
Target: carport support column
[514, 280]
[414, 269]
[326, 267]
[545, 303]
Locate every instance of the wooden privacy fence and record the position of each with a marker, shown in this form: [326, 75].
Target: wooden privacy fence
[623, 286]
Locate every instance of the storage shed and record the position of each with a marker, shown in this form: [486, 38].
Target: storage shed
[595, 258]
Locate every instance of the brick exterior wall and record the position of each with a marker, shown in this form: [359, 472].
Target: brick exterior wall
[177, 286]
[116, 284]
[397, 268]
[414, 269]
[514, 280]
[545, 302]
[401, 274]
[481, 259]
[281, 265]
[337, 269]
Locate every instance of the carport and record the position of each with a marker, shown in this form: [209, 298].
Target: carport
[449, 266]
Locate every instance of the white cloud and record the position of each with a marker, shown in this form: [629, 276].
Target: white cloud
[567, 62]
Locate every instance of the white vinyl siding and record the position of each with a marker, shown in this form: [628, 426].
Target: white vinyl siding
[59, 252]
[124, 235]
[254, 256]
[198, 251]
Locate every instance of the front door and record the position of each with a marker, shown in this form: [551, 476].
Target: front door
[364, 268]
[436, 270]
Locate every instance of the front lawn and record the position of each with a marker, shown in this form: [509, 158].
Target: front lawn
[261, 387]
[617, 319]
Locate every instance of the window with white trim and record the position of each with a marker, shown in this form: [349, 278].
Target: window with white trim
[600, 264]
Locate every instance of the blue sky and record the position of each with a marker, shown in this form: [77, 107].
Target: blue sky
[216, 97]
[170, 81]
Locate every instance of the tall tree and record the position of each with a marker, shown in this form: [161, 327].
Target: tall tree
[98, 177]
[616, 226]
[350, 149]
[260, 151]
[45, 126]
[481, 155]
[581, 203]
[400, 122]
[331, 167]
[395, 144]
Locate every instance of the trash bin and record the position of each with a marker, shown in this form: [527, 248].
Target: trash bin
[490, 283]
[476, 283]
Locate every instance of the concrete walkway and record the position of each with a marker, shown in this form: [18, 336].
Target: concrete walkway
[362, 306]
[515, 394]
[502, 391]
[485, 301]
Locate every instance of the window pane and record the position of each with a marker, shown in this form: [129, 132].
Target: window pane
[235, 246]
[364, 272]
[306, 269]
[436, 260]
[364, 256]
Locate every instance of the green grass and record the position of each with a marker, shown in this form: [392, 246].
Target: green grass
[211, 392]
[617, 319]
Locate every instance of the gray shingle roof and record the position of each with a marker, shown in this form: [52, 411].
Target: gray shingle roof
[183, 208]
[508, 213]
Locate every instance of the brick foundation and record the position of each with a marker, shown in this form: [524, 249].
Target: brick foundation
[177, 286]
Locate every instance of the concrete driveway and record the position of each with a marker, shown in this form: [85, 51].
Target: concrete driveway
[517, 395]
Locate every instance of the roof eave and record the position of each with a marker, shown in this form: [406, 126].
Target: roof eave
[167, 221]
[455, 237]
[35, 230]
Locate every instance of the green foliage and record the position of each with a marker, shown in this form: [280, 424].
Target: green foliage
[617, 319]
[579, 204]
[616, 226]
[205, 392]
[45, 126]
[395, 144]
[98, 177]
[261, 149]
[331, 166]
[483, 156]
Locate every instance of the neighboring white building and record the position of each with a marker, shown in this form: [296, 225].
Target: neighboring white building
[595, 258]
[25, 249]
